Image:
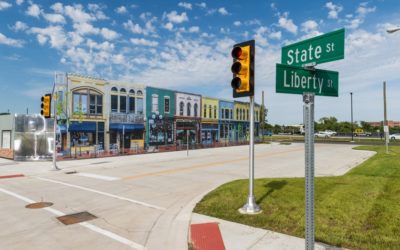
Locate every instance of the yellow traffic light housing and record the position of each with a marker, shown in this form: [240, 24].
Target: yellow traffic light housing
[46, 106]
[243, 69]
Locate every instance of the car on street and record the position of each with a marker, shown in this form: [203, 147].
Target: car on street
[268, 133]
[329, 132]
[322, 134]
[394, 136]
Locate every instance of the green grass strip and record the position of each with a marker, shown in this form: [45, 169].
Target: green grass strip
[360, 210]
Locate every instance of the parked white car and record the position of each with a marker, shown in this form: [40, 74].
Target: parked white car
[322, 134]
[329, 132]
[394, 136]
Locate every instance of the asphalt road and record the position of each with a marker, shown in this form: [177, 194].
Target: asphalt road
[142, 201]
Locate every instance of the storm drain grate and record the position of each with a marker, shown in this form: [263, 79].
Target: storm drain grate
[39, 205]
[70, 219]
[71, 172]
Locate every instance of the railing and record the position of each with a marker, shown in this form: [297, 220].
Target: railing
[126, 118]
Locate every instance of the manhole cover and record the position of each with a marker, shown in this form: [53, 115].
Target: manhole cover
[71, 172]
[76, 218]
[39, 205]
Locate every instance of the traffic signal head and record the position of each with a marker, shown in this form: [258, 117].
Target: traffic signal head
[46, 106]
[243, 69]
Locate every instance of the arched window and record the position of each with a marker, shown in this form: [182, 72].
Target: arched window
[215, 112]
[114, 89]
[87, 101]
[181, 108]
[131, 92]
[237, 114]
[189, 106]
[209, 111]
[195, 109]
[205, 111]
[122, 90]
[139, 92]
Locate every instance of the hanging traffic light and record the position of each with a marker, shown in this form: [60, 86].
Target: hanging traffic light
[46, 106]
[243, 69]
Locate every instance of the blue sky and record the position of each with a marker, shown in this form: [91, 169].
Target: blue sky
[185, 45]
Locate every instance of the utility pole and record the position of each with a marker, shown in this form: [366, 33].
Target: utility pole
[262, 115]
[352, 124]
[385, 123]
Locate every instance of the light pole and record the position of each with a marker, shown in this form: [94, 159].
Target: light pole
[352, 130]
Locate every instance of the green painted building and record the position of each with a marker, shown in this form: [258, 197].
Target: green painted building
[160, 111]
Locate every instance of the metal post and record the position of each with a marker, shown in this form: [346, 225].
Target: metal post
[187, 142]
[251, 206]
[123, 139]
[385, 122]
[55, 132]
[308, 112]
[352, 129]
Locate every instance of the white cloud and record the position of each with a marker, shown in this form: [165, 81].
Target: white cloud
[57, 7]
[144, 42]
[33, 10]
[202, 5]
[54, 18]
[354, 21]
[309, 25]
[185, 5]
[19, 2]
[364, 10]
[223, 11]
[11, 42]
[4, 5]
[19, 26]
[121, 10]
[169, 26]
[237, 23]
[275, 35]
[287, 24]
[194, 29]
[174, 17]
[109, 34]
[77, 14]
[85, 28]
[260, 36]
[54, 34]
[96, 9]
[334, 10]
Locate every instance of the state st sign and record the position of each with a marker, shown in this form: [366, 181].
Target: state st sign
[324, 48]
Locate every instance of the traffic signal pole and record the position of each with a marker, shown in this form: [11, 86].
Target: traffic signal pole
[251, 206]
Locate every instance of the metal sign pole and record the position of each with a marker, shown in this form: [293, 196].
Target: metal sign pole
[187, 142]
[123, 139]
[308, 112]
[251, 206]
[55, 133]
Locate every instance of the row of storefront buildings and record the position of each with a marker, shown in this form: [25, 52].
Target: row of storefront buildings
[105, 114]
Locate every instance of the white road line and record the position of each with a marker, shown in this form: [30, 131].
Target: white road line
[92, 227]
[97, 176]
[102, 193]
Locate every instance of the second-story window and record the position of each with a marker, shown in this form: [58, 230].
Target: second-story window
[222, 114]
[154, 103]
[226, 113]
[189, 107]
[114, 103]
[195, 107]
[215, 112]
[131, 104]
[166, 104]
[139, 105]
[122, 104]
[95, 104]
[181, 108]
[231, 111]
[209, 111]
[205, 111]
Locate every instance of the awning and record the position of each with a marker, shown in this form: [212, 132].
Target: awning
[82, 127]
[128, 127]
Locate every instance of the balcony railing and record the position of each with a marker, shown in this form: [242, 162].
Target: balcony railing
[126, 118]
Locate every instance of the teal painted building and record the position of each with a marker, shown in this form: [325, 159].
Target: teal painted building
[160, 111]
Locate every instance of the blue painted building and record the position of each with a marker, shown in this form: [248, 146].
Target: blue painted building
[227, 123]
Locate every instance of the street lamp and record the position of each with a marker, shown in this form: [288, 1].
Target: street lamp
[352, 130]
[392, 30]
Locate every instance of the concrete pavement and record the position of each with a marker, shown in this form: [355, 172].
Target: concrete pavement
[141, 201]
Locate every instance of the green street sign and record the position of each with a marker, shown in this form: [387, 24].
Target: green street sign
[297, 80]
[324, 48]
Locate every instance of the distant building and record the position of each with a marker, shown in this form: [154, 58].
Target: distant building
[391, 124]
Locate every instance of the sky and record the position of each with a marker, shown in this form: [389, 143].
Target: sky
[186, 46]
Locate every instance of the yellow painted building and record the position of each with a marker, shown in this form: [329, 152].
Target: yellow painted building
[209, 119]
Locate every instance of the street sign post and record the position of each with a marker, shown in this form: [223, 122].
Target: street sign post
[296, 80]
[324, 48]
[297, 75]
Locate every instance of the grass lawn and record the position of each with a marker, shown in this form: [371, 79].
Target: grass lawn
[360, 210]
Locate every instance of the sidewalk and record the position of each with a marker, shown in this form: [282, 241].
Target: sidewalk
[239, 237]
